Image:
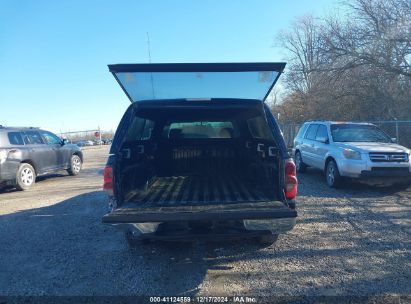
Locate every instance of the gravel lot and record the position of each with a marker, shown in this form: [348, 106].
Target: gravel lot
[350, 241]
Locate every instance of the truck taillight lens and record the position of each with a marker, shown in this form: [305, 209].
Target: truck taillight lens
[108, 179]
[291, 182]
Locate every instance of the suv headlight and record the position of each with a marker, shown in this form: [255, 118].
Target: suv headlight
[3, 156]
[351, 154]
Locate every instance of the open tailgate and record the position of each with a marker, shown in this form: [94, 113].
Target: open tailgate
[131, 213]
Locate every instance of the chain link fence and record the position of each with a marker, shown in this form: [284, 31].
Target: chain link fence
[88, 138]
[289, 132]
[399, 129]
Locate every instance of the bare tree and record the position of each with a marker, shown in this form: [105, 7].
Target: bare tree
[301, 44]
[377, 34]
[352, 68]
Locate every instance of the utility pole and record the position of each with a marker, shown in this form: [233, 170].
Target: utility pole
[99, 135]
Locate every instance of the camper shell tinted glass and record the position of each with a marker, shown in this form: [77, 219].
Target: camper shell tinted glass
[200, 129]
[140, 129]
[198, 121]
[143, 82]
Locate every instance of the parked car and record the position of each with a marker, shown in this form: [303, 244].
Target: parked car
[81, 143]
[351, 150]
[84, 143]
[199, 154]
[26, 153]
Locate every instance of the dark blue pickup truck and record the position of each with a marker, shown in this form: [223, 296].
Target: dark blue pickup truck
[198, 154]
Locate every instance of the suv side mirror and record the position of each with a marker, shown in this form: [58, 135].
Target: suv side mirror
[394, 139]
[323, 140]
[65, 141]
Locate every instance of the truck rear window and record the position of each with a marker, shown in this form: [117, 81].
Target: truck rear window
[15, 138]
[200, 129]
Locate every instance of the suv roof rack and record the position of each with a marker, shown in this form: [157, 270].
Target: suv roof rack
[338, 121]
[17, 127]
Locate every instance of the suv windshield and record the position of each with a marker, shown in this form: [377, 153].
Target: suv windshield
[358, 133]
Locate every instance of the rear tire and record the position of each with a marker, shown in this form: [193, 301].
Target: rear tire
[75, 165]
[332, 175]
[268, 239]
[299, 164]
[25, 177]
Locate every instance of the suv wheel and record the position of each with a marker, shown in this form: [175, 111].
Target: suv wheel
[26, 177]
[332, 174]
[75, 165]
[299, 164]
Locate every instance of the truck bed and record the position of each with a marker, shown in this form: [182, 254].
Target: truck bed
[198, 190]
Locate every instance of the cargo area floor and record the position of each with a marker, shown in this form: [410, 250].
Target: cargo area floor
[197, 190]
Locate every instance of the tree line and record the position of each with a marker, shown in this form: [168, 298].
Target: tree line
[352, 65]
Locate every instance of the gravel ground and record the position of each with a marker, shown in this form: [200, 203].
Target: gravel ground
[350, 241]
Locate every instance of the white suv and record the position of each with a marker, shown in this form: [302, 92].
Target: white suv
[353, 150]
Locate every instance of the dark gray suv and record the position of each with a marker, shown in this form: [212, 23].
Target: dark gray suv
[26, 153]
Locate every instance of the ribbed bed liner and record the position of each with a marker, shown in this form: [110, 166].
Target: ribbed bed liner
[196, 190]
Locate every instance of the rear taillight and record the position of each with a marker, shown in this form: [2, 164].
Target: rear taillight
[290, 180]
[108, 179]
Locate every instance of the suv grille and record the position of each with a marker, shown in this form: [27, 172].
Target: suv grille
[391, 157]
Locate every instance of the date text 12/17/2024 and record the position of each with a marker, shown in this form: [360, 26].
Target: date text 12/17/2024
[203, 299]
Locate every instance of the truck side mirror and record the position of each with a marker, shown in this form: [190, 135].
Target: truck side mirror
[64, 142]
